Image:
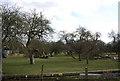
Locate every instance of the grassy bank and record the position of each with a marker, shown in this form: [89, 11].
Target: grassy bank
[58, 64]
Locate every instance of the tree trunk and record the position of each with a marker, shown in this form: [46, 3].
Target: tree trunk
[68, 53]
[31, 56]
[51, 55]
[73, 56]
[28, 42]
[79, 57]
[87, 60]
[32, 59]
[4, 38]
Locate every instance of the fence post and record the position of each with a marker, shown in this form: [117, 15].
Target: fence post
[86, 73]
[42, 73]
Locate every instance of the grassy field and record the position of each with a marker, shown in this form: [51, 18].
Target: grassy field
[58, 64]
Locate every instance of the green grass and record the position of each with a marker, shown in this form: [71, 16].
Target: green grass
[58, 64]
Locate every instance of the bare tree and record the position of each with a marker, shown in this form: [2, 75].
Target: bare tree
[35, 26]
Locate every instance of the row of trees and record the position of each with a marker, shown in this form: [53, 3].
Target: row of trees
[26, 32]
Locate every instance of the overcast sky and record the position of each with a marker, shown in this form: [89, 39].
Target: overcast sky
[95, 15]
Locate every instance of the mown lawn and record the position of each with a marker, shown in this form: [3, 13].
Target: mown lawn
[58, 64]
